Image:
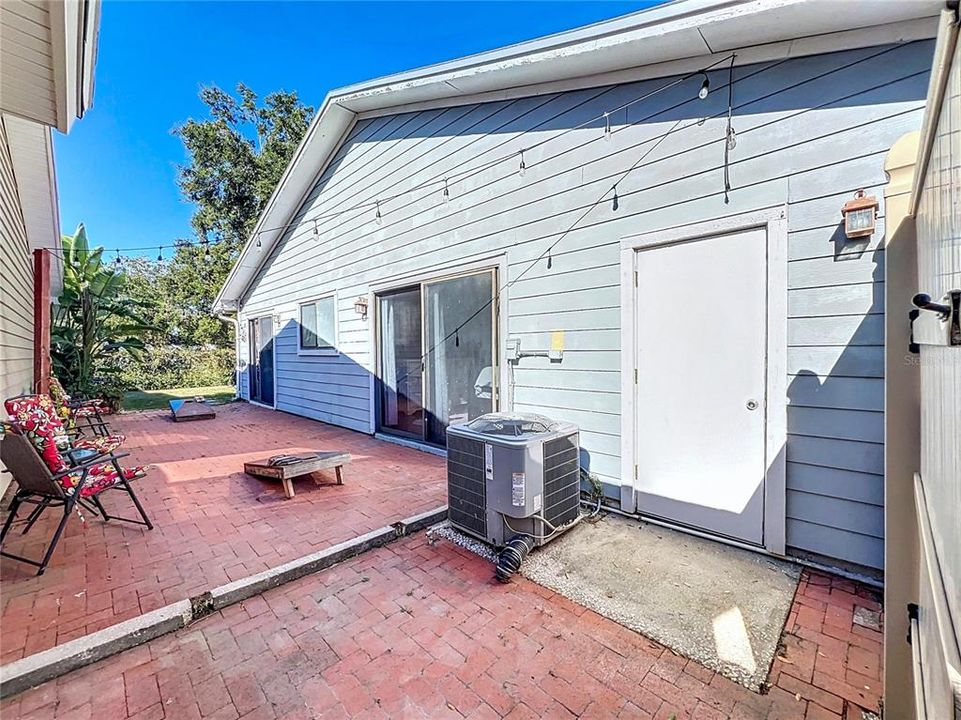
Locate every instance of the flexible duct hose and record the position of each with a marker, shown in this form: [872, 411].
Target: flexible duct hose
[512, 555]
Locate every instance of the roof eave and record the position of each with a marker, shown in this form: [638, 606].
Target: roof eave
[671, 34]
[74, 32]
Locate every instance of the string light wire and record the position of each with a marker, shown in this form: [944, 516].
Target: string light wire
[444, 179]
[450, 177]
[495, 298]
[479, 188]
[729, 134]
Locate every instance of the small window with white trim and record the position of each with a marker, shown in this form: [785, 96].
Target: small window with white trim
[318, 326]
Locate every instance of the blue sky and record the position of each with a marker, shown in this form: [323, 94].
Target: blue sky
[116, 170]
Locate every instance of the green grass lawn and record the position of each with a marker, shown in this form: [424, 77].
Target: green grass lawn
[157, 399]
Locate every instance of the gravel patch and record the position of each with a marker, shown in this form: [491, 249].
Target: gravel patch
[444, 531]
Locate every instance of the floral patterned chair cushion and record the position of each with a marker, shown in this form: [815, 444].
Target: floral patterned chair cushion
[83, 408]
[100, 477]
[101, 443]
[61, 401]
[35, 417]
[92, 408]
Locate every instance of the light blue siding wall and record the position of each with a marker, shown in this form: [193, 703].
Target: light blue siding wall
[811, 131]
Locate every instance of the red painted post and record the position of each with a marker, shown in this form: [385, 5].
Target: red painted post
[41, 320]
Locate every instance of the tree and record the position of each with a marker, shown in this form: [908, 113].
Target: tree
[177, 294]
[95, 318]
[237, 157]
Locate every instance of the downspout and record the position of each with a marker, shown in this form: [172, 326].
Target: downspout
[235, 320]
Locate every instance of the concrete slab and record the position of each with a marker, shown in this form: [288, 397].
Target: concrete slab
[721, 606]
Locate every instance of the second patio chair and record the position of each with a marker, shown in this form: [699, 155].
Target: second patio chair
[85, 425]
[84, 416]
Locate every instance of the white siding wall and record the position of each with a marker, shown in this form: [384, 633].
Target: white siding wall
[27, 83]
[16, 290]
[811, 131]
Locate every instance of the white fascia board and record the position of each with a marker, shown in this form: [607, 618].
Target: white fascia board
[89, 44]
[74, 34]
[675, 32]
[900, 32]
[670, 32]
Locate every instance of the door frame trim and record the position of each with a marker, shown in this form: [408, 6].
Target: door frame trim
[496, 261]
[273, 336]
[774, 221]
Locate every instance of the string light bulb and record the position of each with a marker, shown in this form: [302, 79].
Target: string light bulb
[550, 260]
[731, 139]
[523, 166]
[316, 231]
[607, 126]
[614, 204]
[446, 192]
[116, 260]
[259, 244]
[705, 86]
[160, 254]
[378, 217]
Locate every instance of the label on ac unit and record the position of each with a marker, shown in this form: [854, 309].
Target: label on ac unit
[519, 489]
[488, 461]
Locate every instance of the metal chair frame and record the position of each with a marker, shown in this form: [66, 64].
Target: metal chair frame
[39, 486]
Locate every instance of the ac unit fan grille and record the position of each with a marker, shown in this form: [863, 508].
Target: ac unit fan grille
[562, 491]
[466, 486]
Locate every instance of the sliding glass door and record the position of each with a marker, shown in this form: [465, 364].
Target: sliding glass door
[460, 351]
[401, 364]
[437, 355]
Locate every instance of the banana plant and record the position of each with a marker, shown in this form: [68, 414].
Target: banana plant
[93, 319]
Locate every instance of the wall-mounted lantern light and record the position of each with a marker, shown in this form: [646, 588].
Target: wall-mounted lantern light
[860, 215]
[360, 307]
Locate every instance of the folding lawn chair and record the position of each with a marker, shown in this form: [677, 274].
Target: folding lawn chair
[99, 439]
[86, 416]
[50, 477]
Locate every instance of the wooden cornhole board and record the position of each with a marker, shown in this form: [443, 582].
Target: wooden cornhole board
[308, 464]
[183, 410]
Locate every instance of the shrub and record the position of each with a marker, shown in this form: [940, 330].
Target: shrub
[108, 388]
[177, 366]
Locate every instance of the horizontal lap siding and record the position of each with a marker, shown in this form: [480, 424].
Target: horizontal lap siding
[810, 132]
[16, 290]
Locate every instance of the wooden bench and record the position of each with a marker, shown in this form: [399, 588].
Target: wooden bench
[304, 466]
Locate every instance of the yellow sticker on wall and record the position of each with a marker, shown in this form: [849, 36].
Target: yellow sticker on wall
[557, 341]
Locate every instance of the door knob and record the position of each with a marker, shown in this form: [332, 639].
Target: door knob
[752, 404]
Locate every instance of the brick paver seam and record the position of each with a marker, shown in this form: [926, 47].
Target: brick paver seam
[20, 675]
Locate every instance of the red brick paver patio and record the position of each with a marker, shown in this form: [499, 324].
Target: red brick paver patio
[419, 631]
[212, 523]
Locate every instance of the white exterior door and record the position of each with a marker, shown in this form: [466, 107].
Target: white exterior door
[700, 330]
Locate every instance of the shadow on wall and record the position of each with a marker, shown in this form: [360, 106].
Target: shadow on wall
[335, 388]
[836, 385]
[835, 451]
[762, 91]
